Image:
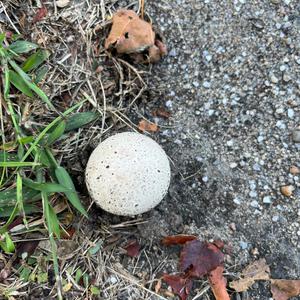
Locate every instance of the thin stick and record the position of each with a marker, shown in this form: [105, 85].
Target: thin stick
[142, 8]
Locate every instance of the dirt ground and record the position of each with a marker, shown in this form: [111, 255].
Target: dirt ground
[231, 82]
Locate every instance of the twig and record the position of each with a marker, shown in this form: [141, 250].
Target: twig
[142, 8]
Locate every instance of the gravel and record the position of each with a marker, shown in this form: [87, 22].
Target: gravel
[233, 81]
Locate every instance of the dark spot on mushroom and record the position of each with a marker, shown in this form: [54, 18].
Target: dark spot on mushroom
[136, 205]
[102, 162]
[99, 177]
[116, 152]
[107, 167]
[112, 174]
[158, 171]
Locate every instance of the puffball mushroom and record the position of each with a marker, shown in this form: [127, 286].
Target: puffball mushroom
[128, 174]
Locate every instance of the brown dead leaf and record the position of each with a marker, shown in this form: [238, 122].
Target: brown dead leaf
[258, 270]
[147, 126]
[41, 14]
[132, 248]
[180, 285]
[285, 289]
[161, 112]
[129, 33]
[218, 283]
[179, 239]
[199, 258]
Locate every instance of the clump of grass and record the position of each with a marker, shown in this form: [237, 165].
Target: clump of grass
[30, 175]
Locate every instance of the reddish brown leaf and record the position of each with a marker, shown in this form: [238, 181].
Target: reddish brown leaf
[146, 126]
[161, 112]
[218, 283]
[179, 239]
[219, 244]
[285, 289]
[41, 13]
[129, 33]
[180, 285]
[133, 248]
[199, 258]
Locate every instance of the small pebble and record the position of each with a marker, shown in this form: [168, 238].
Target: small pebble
[294, 170]
[204, 178]
[280, 124]
[229, 143]
[233, 165]
[286, 77]
[254, 204]
[296, 135]
[256, 167]
[172, 53]
[243, 245]
[237, 201]
[282, 68]
[287, 190]
[260, 138]
[267, 200]
[206, 84]
[169, 103]
[291, 113]
[232, 226]
[274, 79]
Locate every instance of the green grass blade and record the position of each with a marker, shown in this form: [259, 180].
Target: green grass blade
[53, 221]
[56, 133]
[47, 129]
[35, 60]
[6, 211]
[51, 230]
[18, 164]
[79, 120]
[40, 74]
[26, 140]
[47, 187]
[31, 85]
[6, 81]
[7, 245]
[9, 197]
[20, 202]
[64, 179]
[51, 218]
[19, 83]
[2, 37]
[20, 47]
[6, 156]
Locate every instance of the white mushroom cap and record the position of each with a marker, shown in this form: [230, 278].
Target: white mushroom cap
[128, 174]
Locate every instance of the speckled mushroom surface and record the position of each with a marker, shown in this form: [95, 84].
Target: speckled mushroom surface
[128, 174]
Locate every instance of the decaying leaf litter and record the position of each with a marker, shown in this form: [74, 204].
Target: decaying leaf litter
[87, 85]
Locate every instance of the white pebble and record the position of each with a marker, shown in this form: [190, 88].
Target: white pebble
[291, 113]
